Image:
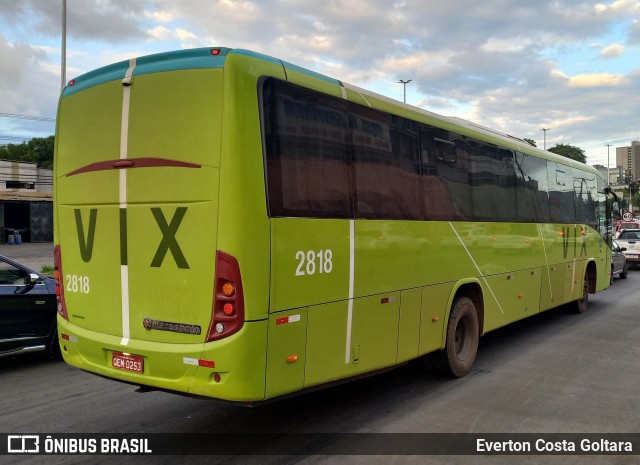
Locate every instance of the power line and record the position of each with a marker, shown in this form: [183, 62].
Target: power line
[18, 137]
[28, 117]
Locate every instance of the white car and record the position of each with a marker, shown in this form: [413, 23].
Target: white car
[630, 240]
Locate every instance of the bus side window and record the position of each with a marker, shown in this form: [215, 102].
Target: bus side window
[426, 139]
[445, 150]
[561, 193]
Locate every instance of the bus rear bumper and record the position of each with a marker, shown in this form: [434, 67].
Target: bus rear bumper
[230, 369]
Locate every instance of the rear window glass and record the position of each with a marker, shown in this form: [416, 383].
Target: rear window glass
[629, 235]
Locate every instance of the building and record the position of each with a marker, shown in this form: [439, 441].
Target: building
[629, 159]
[615, 175]
[26, 202]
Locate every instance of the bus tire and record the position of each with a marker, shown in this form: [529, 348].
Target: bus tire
[580, 305]
[463, 335]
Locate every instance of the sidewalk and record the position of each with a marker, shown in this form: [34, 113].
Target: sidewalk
[32, 254]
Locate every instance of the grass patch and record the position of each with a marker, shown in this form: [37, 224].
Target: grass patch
[47, 270]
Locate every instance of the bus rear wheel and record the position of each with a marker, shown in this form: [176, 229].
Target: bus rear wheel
[580, 305]
[461, 347]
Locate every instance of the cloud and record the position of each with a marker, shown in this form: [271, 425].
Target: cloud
[596, 80]
[506, 64]
[633, 34]
[110, 20]
[611, 51]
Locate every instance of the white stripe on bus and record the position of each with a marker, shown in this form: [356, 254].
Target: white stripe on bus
[124, 284]
[477, 268]
[122, 189]
[352, 268]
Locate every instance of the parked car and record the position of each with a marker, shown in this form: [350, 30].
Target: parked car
[627, 225]
[618, 261]
[630, 240]
[28, 310]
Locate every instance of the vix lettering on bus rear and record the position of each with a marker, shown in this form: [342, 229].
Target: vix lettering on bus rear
[168, 243]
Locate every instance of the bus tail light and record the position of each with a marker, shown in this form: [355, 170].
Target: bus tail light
[227, 315]
[57, 274]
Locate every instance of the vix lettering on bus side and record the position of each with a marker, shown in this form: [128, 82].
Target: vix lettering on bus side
[168, 243]
[566, 237]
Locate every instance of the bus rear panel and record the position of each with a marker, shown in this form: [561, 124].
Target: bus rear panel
[146, 294]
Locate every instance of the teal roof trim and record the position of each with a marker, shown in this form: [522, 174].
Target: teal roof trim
[308, 72]
[197, 58]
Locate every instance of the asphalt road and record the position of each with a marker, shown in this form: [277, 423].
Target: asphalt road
[554, 373]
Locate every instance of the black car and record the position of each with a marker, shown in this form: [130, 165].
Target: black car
[28, 310]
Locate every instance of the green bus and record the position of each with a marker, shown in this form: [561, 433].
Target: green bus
[233, 226]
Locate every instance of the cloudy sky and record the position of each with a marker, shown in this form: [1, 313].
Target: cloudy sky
[517, 66]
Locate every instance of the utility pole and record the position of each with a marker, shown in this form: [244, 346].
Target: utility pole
[544, 130]
[404, 84]
[608, 167]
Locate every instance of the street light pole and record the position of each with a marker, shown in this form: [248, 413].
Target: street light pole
[544, 130]
[608, 167]
[404, 84]
[63, 59]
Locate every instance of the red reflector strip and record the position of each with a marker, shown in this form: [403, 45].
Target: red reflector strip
[66, 337]
[287, 319]
[199, 362]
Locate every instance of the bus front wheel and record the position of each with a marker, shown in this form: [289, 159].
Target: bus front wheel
[461, 347]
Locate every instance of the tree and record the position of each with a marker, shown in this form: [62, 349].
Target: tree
[38, 150]
[569, 151]
[530, 142]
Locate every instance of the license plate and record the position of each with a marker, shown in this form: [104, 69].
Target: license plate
[632, 255]
[127, 362]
